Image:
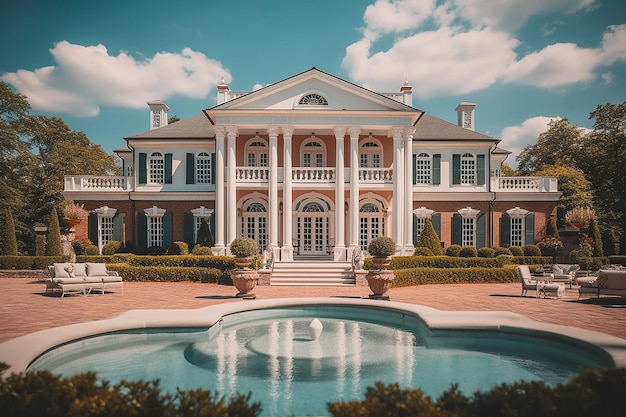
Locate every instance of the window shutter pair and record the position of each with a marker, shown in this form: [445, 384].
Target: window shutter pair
[436, 170]
[529, 229]
[480, 169]
[143, 168]
[191, 168]
[142, 228]
[480, 230]
[118, 228]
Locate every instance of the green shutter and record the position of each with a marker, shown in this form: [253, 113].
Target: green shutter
[143, 169]
[167, 229]
[436, 220]
[414, 173]
[118, 227]
[191, 168]
[168, 168]
[457, 229]
[456, 169]
[92, 228]
[480, 168]
[213, 168]
[142, 229]
[414, 225]
[189, 229]
[530, 229]
[481, 231]
[505, 230]
[437, 169]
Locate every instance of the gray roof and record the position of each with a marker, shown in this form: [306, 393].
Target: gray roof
[432, 128]
[197, 126]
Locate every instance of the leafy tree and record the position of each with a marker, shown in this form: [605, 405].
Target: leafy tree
[604, 166]
[53, 237]
[8, 242]
[575, 187]
[429, 239]
[507, 171]
[173, 119]
[559, 144]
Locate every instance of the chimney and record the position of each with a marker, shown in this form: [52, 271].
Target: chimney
[407, 93]
[222, 92]
[158, 113]
[465, 114]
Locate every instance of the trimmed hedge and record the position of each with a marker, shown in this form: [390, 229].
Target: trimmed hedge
[421, 276]
[171, 274]
[407, 262]
[203, 261]
[28, 262]
[107, 259]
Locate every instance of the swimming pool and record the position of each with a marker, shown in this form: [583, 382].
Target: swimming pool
[264, 347]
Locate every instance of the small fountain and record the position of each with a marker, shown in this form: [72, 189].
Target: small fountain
[315, 329]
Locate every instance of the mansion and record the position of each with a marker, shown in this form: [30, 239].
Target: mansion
[313, 166]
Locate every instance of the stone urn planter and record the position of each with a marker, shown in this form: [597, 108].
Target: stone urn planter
[381, 278]
[244, 277]
[71, 223]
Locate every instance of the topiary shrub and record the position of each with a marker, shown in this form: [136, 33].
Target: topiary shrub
[111, 247]
[532, 250]
[516, 250]
[453, 250]
[486, 253]
[498, 250]
[201, 250]
[243, 247]
[468, 252]
[381, 247]
[53, 236]
[429, 239]
[92, 250]
[422, 251]
[178, 248]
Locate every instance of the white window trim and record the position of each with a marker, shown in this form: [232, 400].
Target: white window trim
[518, 214]
[153, 212]
[469, 213]
[104, 212]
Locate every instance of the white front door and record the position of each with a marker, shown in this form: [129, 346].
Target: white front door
[312, 230]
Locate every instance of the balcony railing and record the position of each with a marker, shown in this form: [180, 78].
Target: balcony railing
[98, 183]
[524, 184]
[375, 175]
[323, 175]
[252, 174]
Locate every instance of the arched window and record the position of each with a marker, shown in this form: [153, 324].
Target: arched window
[371, 223]
[254, 223]
[156, 167]
[423, 172]
[313, 153]
[371, 154]
[313, 99]
[468, 169]
[256, 152]
[203, 168]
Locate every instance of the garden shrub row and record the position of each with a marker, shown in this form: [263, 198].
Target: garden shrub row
[406, 262]
[422, 276]
[171, 274]
[28, 262]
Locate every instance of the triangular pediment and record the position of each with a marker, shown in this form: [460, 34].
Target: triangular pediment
[337, 95]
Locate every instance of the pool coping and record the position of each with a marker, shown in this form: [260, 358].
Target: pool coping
[20, 352]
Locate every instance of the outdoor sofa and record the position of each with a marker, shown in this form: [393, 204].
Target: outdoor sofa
[81, 278]
[564, 273]
[608, 282]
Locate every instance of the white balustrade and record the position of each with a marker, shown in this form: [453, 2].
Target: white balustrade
[375, 175]
[98, 183]
[322, 174]
[252, 174]
[530, 184]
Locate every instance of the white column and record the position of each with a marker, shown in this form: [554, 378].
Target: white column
[287, 249]
[273, 131]
[219, 190]
[354, 225]
[340, 198]
[231, 205]
[408, 190]
[398, 188]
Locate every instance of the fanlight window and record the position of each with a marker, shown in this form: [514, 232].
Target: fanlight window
[313, 100]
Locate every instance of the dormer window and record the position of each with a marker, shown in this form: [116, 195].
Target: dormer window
[313, 99]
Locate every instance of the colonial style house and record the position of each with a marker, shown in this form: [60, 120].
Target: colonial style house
[313, 166]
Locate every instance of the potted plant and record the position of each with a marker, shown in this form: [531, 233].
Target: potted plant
[244, 278]
[579, 216]
[380, 279]
[73, 213]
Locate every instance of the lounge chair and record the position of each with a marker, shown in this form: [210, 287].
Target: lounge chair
[565, 273]
[528, 283]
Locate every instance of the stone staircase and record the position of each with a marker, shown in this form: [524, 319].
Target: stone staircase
[313, 273]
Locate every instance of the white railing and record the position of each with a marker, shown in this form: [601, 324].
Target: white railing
[375, 175]
[313, 174]
[98, 183]
[252, 174]
[528, 184]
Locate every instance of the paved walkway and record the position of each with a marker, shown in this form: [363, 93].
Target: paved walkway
[24, 308]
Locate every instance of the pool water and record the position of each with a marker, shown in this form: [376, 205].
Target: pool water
[271, 354]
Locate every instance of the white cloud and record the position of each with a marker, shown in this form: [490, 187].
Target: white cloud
[516, 138]
[460, 46]
[87, 77]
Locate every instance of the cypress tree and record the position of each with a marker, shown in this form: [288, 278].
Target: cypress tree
[429, 239]
[8, 242]
[609, 242]
[594, 233]
[53, 237]
[204, 234]
[551, 229]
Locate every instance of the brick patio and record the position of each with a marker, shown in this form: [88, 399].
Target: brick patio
[25, 309]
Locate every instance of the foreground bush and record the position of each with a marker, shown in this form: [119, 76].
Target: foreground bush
[42, 393]
[171, 273]
[593, 393]
[422, 276]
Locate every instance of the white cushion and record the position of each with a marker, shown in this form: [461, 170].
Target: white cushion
[96, 269]
[59, 270]
[79, 270]
[557, 269]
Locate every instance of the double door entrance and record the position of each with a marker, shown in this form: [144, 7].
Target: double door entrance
[313, 231]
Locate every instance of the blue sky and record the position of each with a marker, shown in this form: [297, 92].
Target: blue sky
[95, 63]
